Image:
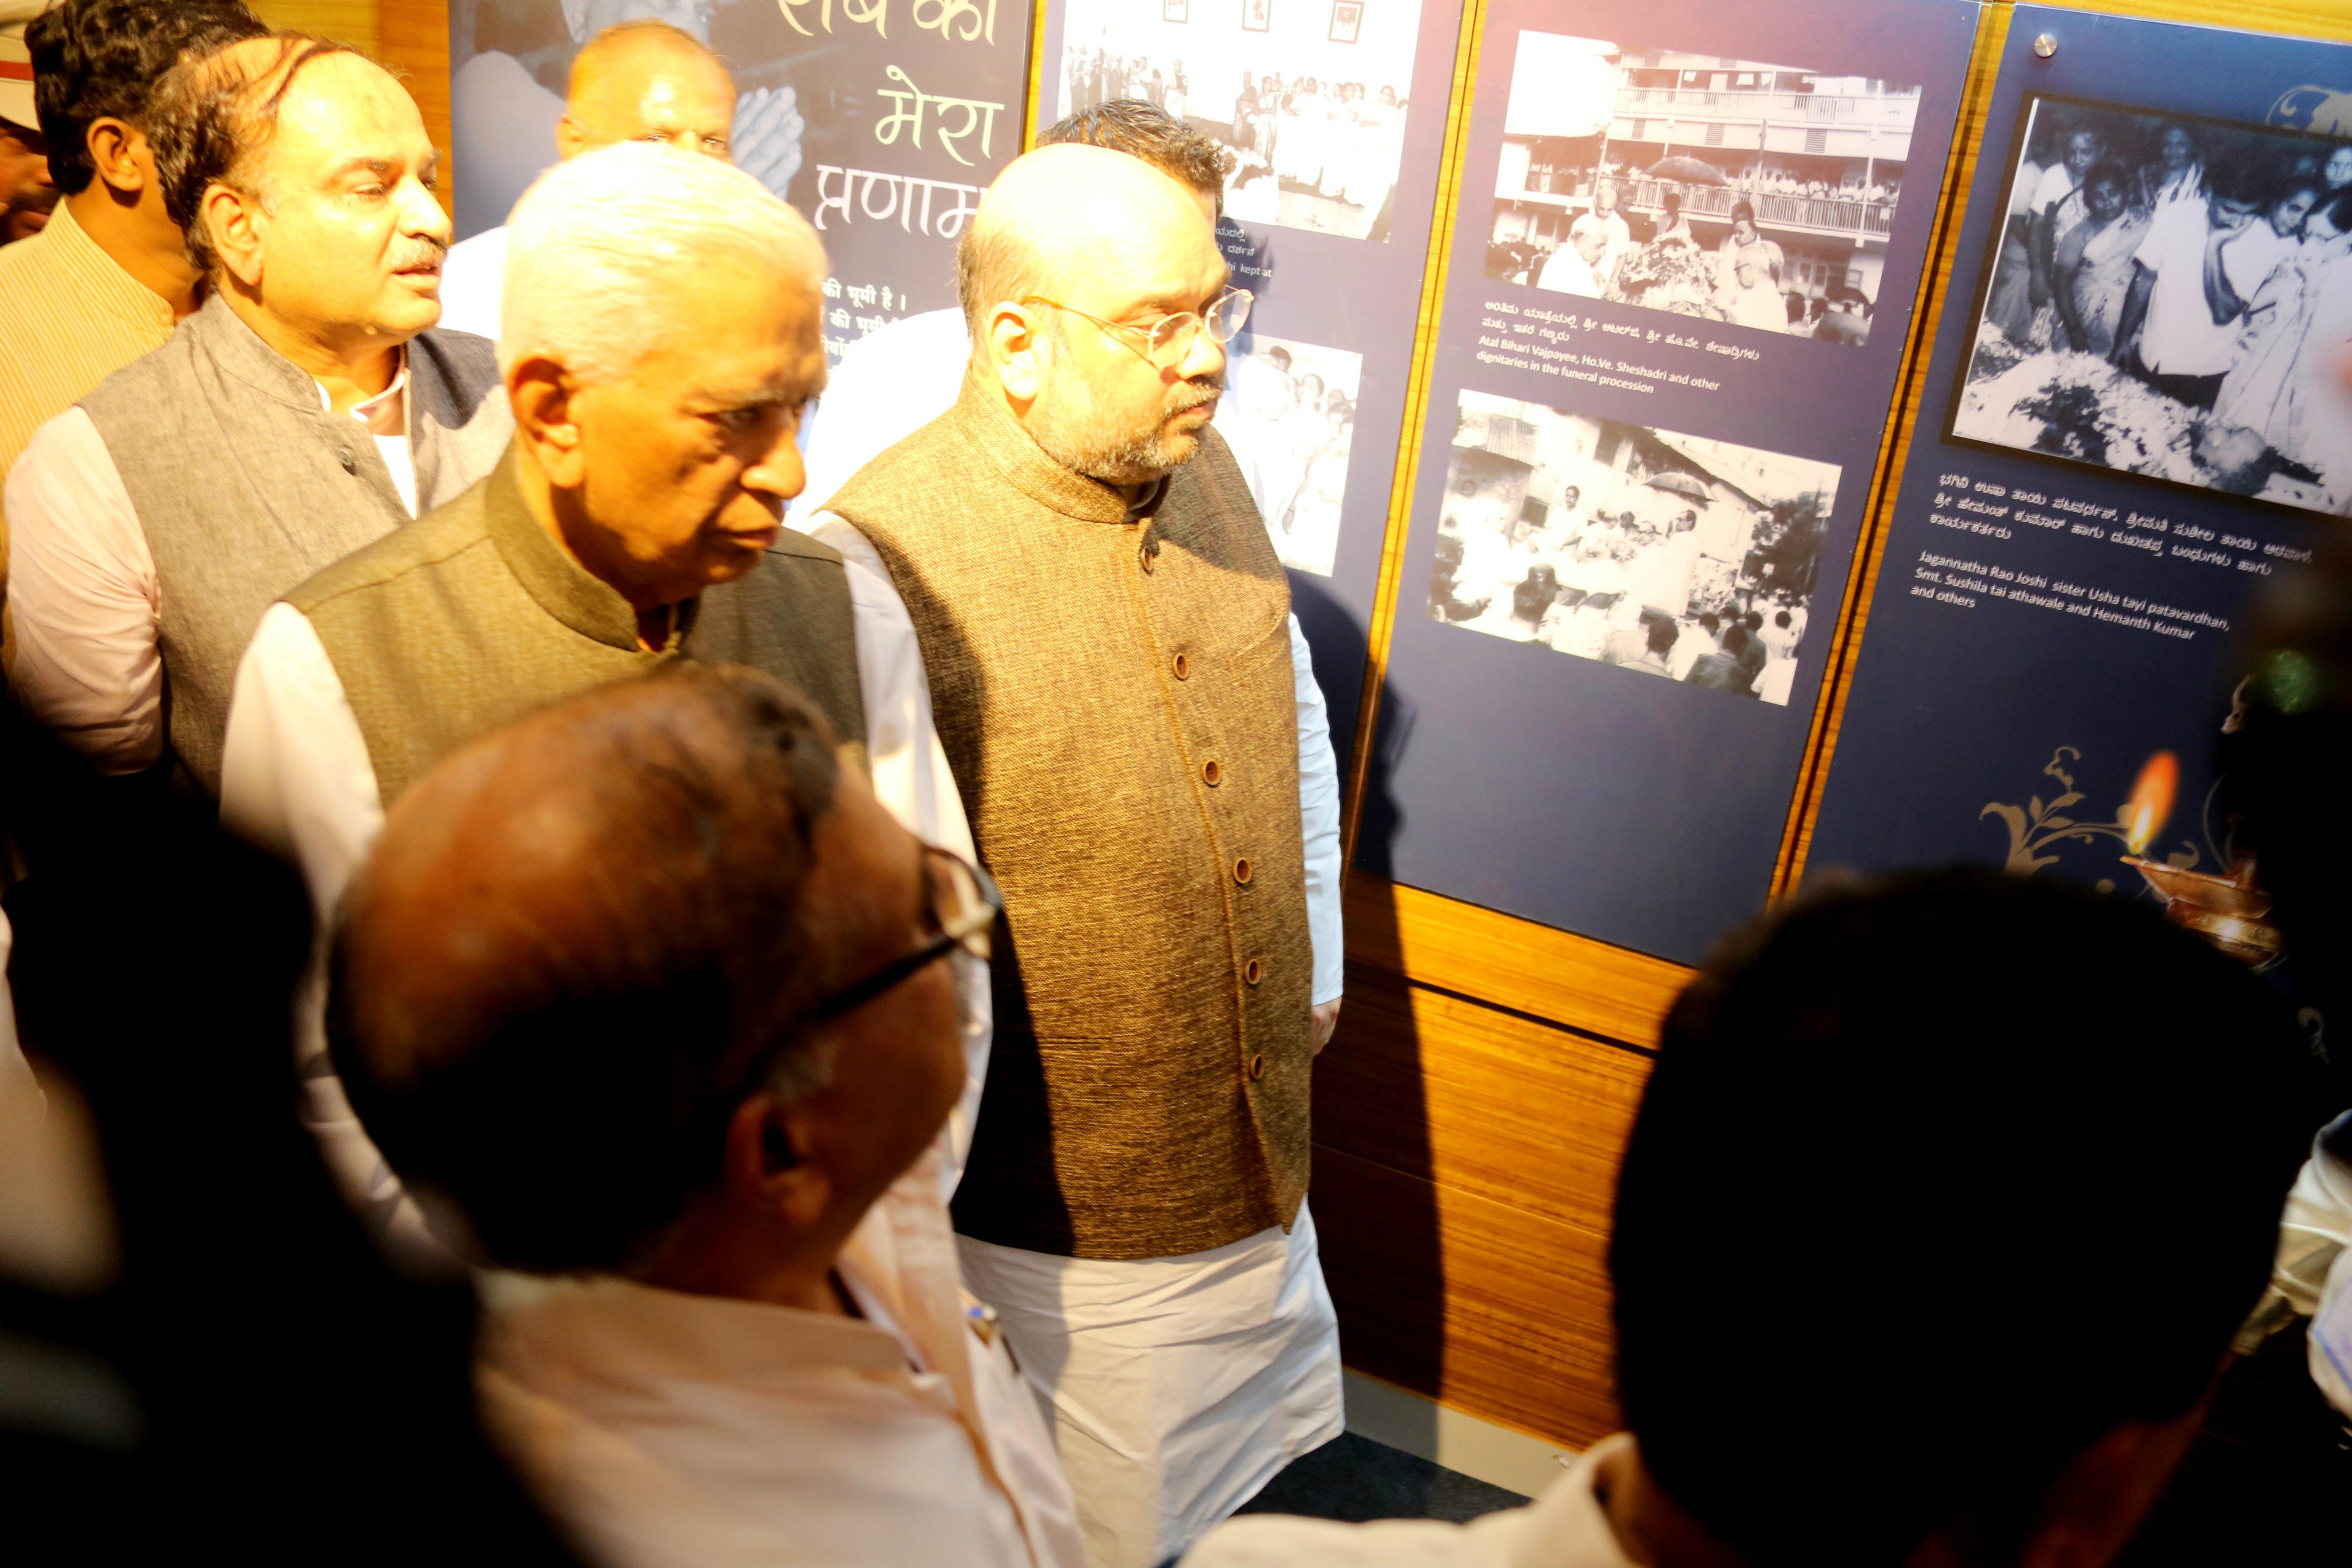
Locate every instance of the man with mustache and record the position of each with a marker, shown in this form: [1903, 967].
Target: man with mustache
[1105, 628]
[305, 411]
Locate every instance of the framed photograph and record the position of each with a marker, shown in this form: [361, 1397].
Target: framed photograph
[1347, 20]
[1257, 16]
[2128, 371]
[1175, 10]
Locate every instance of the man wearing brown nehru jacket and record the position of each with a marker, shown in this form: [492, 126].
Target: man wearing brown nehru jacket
[1105, 628]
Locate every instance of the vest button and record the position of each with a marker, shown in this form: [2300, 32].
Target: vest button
[351, 465]
[1214, 776]
[1242, 871]
[1253, 971]
[1256, 1067]
[1144, 558]
[1184, 668]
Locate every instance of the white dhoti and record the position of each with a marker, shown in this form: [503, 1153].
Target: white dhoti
[1176, 1387]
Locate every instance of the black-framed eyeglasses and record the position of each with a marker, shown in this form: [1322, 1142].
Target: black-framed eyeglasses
[1167, 341]
[961, 905]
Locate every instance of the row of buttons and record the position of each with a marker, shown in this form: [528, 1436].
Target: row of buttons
[1147, 555]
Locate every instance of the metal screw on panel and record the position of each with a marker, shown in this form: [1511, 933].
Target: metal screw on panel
[2044, 46]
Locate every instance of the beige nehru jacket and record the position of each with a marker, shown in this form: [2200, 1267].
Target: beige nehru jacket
[1114, 688]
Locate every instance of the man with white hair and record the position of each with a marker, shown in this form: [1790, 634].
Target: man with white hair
[1750, 299]
[307, 409]
[1105, 627]
[660, 343]
[636, 82]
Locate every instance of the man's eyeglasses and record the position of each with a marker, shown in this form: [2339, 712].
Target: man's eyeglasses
[962, 905]
[1167, 341]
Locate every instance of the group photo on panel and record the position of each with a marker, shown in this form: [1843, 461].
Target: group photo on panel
[637, 932]
[1732, 190]
[2172, 298]
[1307, 96]
[1659, 553]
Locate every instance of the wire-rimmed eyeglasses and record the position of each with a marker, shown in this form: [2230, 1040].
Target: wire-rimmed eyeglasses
[1167, 341]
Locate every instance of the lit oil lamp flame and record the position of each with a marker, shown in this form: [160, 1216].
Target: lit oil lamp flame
[2151, 805]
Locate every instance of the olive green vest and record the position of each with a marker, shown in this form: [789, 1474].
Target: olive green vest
[473, 616]
[1114, 690]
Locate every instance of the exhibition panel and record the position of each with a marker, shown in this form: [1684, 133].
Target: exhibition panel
[1683, 262]
[2113, 467]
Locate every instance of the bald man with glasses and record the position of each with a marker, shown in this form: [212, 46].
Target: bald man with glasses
[665, 1003]
[1106, 630]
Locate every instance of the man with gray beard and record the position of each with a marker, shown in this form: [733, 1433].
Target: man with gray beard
[1105, 628]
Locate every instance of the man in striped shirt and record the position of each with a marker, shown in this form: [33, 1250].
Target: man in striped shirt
[106, 280]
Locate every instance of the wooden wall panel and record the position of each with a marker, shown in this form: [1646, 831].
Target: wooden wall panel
[358, 22]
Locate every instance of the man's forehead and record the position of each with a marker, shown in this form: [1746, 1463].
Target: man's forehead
[342, 108]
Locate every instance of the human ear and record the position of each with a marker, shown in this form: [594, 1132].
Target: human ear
[544, 397]
[230, 219]
[120, 155]
[1016, 351]
[570, 137]
[769, 1165]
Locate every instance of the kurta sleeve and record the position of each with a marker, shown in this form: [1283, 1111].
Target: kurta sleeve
[911, 778]
[1318, 815]
[296, 779]
[82, 585]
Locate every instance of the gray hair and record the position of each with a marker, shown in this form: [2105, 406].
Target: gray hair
[594, 236]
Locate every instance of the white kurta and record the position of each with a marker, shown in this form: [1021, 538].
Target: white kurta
[669, 1430]
[1565, 1528]
[297, 779]
[474, 284]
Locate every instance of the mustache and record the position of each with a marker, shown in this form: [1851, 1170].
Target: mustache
[419, 253]
[1206, 389]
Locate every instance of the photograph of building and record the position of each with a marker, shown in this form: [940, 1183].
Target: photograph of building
[1730, 190]
[1662, 553]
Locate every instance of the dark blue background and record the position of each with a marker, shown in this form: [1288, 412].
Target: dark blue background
[1642, 813]
[1952, 709]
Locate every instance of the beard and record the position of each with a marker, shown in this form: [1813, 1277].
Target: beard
[1110, 444]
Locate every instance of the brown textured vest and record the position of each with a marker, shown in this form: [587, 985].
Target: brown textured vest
[472, 616]
[1114, 690]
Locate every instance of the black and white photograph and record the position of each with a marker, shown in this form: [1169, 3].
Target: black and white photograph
[1289, 414]
[1731, 191]
[2170, 297]
[1311, 98]
[1660, 553]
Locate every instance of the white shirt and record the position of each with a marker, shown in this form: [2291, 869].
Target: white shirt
[2181, 337]
[670, 1430]
[893, 383]
[1569, 273]
[1616, 237]
[2056, 184]
[83, 588]
[473, 284]
[1565, 1528]
[296, 779]
[1758, 304]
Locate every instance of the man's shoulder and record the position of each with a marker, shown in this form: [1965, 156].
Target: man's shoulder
[467, 362]
[432, 541]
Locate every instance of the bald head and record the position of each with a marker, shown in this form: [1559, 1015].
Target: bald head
[1072, 213]
[648, 81]
[570, 939]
